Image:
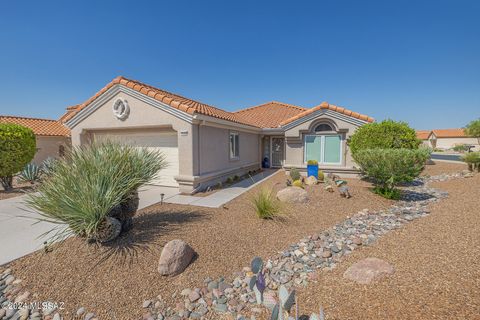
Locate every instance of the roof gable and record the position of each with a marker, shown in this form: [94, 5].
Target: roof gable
[423, 134]
[269, 114]
[173, 100]
[331, 107]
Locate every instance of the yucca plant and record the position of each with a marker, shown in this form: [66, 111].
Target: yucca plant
[31, 173]
[472, 159]
[86, 190]
[265, 204]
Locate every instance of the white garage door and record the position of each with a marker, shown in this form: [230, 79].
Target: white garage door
[165, 142]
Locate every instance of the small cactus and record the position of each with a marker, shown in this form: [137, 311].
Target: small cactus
[257, 282]
[297, 183]
[287, 299]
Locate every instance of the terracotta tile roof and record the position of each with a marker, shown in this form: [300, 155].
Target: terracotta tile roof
[423, 134]
[449, 133]
[67, 115]
[171, 99]
[268, 115]
[327, 106]
[41, 127]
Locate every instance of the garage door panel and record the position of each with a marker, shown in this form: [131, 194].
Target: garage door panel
[165, 142]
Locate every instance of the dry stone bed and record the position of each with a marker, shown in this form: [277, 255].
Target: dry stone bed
[296, 266]
[293, 267]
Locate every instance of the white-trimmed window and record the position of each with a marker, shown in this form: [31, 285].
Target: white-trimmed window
[326, 149]
[234, 145]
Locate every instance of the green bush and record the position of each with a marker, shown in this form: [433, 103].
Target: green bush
[473, 129]
[83, 188]
[387, 134]
[387, 168]
[17, 148]
[472, 159]
[312, 162]
[265, 204]
[295, 174]
[460, 148]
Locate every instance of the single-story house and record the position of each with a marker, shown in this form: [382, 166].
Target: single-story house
[446, 139]
[204, 144]
[52, 137]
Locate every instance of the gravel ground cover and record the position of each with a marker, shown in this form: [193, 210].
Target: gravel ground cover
[19, 189]
[436, 261]
[114, 281]
[441, 167]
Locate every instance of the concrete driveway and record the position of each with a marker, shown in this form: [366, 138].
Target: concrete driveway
[21, 235]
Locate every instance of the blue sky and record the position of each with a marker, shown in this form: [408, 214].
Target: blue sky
[417, 61]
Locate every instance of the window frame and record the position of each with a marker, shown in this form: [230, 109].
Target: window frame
[322, 148]
[236, 145]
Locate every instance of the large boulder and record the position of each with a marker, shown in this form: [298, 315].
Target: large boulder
[292, 195]
[175, 257]
[368, 270]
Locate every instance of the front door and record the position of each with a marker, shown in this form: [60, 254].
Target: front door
[278, 151]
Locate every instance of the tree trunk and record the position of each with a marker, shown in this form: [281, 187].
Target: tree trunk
[7, 183]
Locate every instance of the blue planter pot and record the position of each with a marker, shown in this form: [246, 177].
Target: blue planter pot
[312, 170]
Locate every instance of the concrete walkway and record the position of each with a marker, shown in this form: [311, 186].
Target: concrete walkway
[219, 198]
[21, 234]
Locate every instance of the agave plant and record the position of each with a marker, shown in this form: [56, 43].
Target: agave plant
[89, 189]
[48, 165]
[30, 173]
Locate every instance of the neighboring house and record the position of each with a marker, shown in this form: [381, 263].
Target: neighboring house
[446, 138]
[52, 136]
[204, 144]
[423, 135]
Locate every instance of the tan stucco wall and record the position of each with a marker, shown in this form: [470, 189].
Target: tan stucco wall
[215, 153]
[294, 153]
[448, 143]
[48, 147]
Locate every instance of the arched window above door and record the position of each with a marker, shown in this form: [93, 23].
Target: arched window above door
[323, 127]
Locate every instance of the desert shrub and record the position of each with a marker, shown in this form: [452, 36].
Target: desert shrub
[472, 159]
[387, 168]
[30, 173]
[297, 183]
[229, 180]
[321, 175]
[387, 134]
[295, 174]
[473, 129]
[460, 148]
[89, 183]
[236, 178]
[265, 204]
[17, 148]
[312, 162]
